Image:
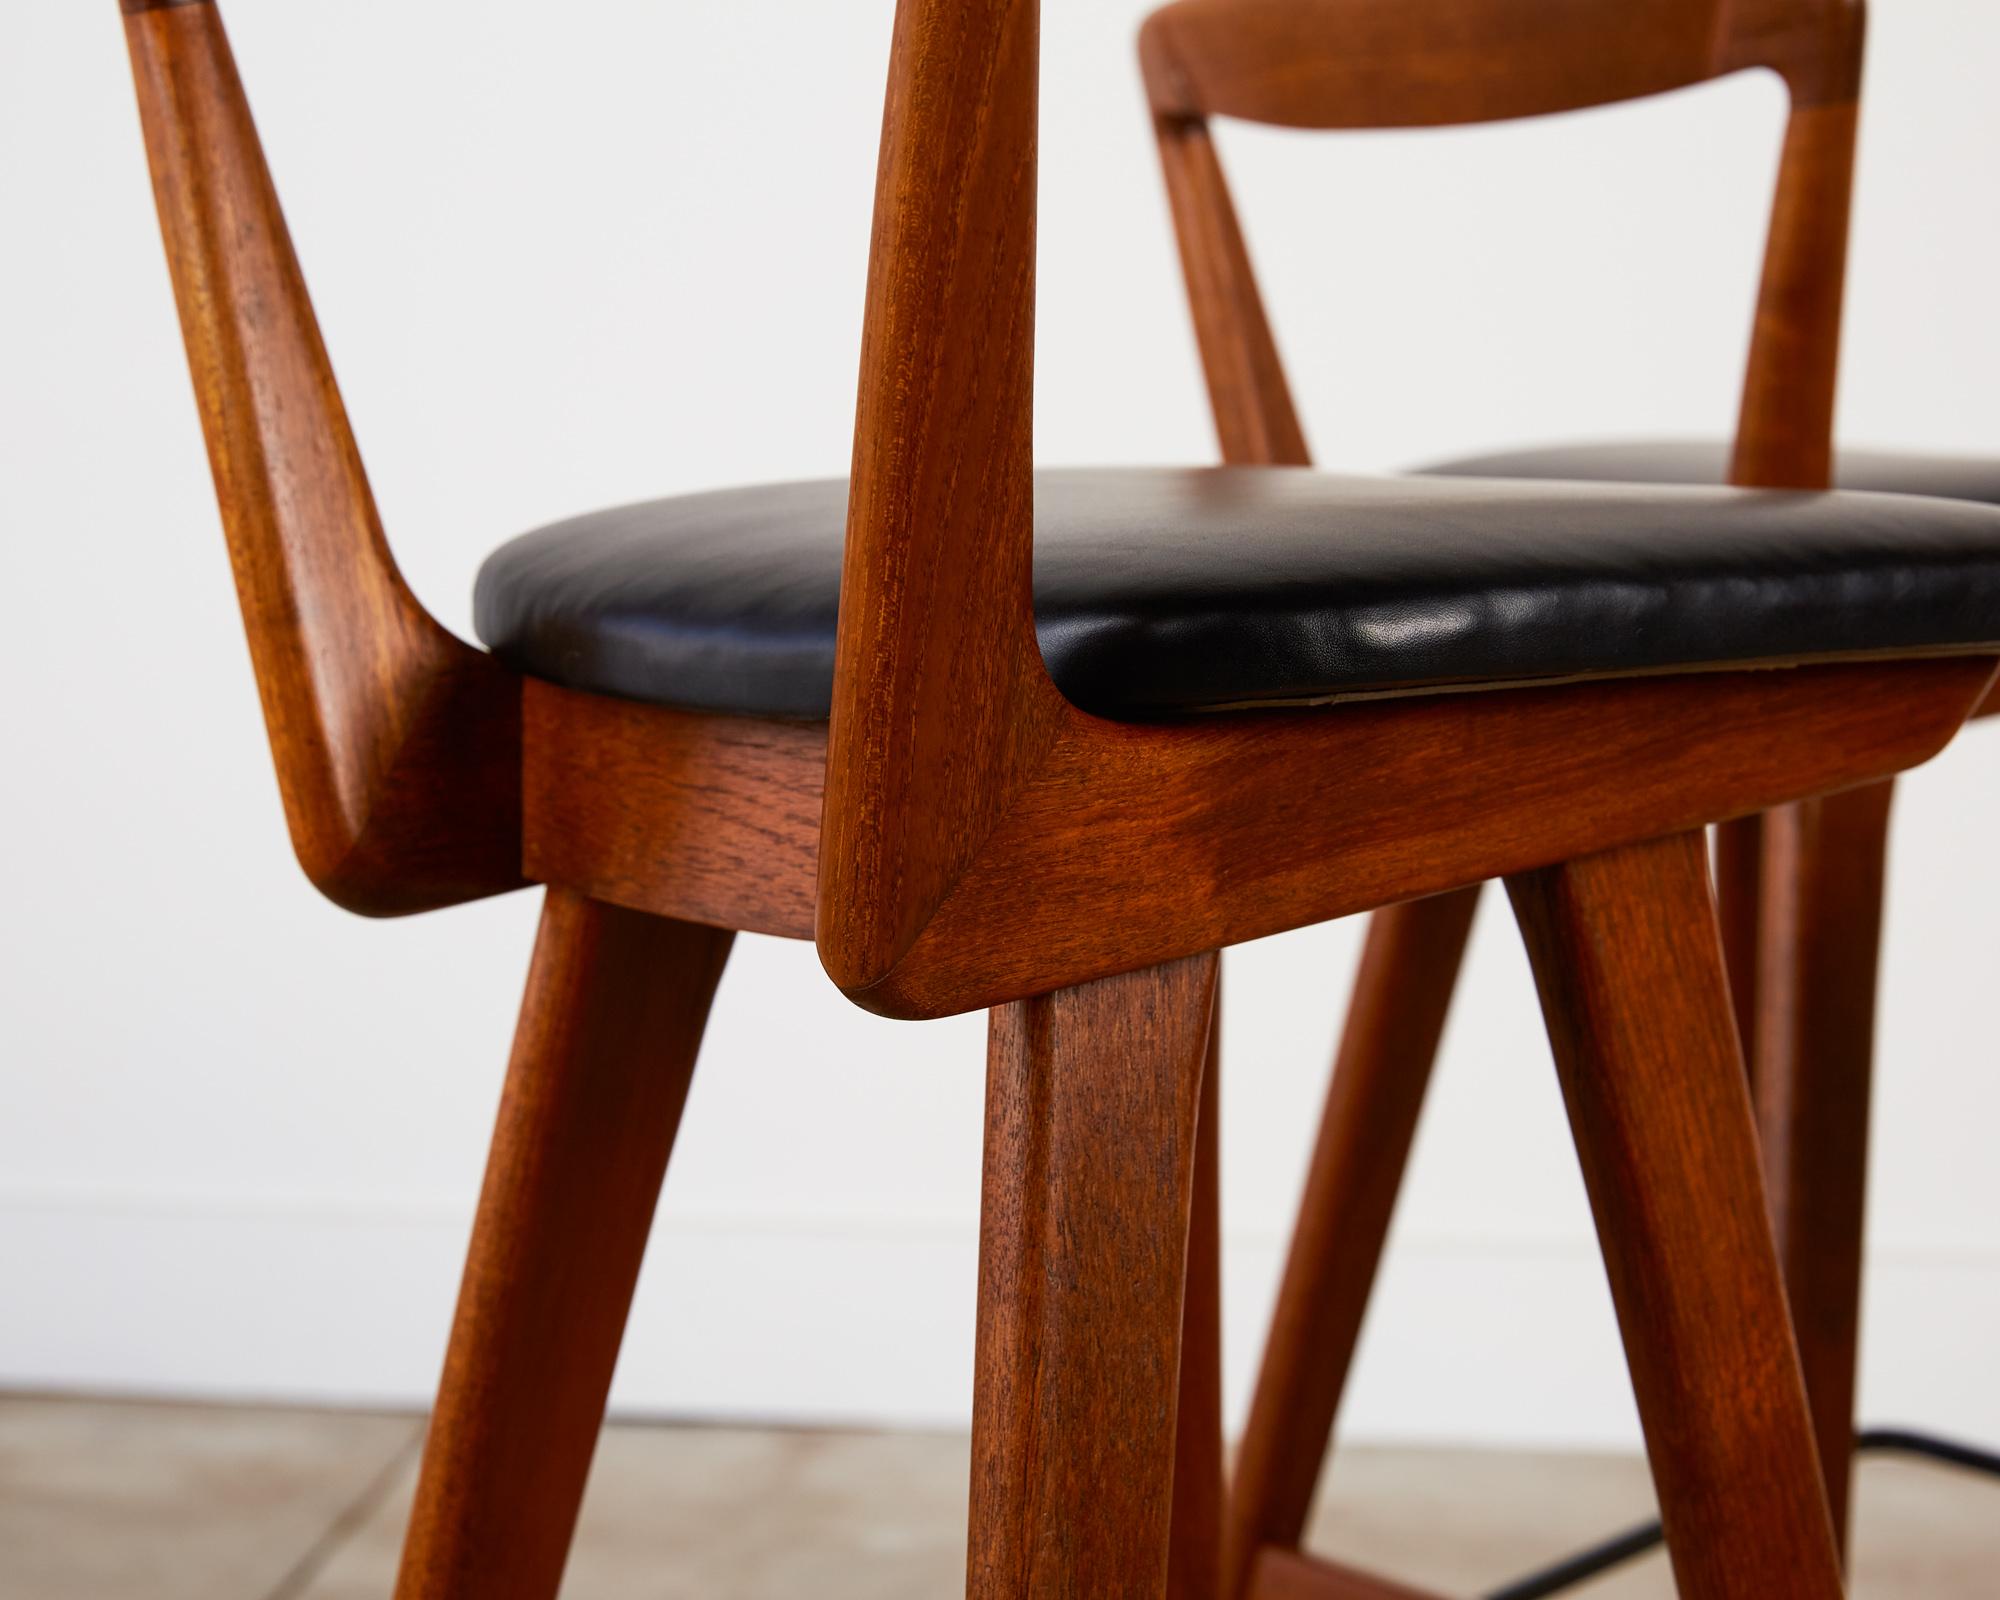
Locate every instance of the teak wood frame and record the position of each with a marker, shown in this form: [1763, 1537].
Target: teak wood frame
[959, 837]
[1802, 977]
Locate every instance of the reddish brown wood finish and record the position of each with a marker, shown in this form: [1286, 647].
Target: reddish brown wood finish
[1629, 965]
[1283, 818]
[1386, 63]
[941, 705]
[1739, 887]
[1374, 63]
[1823, 865]
[1194, 1567]
[1255, 419]
[1209, 833]
[610, 1026]
[976, 829]
[1093, 1098]
[967, 806]
[1401, 994]
[1288, 1575]
[1394, 64]
[397, 746]
[1784, 433]
[706, 818]
[709, 819]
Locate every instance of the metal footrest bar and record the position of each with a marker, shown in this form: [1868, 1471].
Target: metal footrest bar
[1634, 1542]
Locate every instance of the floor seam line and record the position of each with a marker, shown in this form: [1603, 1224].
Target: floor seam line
[349, 1521]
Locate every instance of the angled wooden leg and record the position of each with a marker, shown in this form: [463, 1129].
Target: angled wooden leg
[1194, 1569]
[1628, 959]
[613, 1015]
[1401, 994]
[1739, 881]
[1093, 1099]
[1814, 1043]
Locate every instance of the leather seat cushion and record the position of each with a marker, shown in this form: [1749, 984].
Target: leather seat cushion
[1169, 591]
[1707, 461]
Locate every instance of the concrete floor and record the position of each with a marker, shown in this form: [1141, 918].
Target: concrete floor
[104, 1501]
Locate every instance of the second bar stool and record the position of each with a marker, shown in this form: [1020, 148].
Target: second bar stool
[1801, 888]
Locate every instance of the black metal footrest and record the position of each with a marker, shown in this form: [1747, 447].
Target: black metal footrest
[1585, 1564]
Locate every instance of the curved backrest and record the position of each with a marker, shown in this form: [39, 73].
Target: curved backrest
[1425, 63]
[1407, 63]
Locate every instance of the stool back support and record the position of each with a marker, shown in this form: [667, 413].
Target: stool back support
[397, 745]
[941, 707]
[1352, 64]
[941, 704]
[982, 840]
[1430, 63]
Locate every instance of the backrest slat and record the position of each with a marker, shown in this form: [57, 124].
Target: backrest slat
[1405, 64]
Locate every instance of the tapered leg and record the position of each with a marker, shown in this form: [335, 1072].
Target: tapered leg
[1093, 1099]
[1194, 1571]
[613, 1015]
[1815, 1033]
[1397, 1015]
[1628, 959]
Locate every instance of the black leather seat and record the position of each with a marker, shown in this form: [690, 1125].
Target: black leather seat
[1707, 461]
[1171, 591]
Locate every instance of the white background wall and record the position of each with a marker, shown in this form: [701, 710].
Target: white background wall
[571, 255]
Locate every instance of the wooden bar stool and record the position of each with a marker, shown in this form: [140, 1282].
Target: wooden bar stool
[1043, 744]
[1803, 892]
[1801, 887]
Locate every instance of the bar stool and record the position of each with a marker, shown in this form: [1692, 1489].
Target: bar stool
[1043, 744]
[1801, 887]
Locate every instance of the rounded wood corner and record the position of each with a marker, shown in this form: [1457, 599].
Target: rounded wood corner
[1168, 92]
[867, 960]
[433, 820]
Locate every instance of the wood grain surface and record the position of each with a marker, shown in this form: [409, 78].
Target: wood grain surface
[1628, 960]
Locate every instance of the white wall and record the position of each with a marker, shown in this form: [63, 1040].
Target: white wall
[571, 255]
